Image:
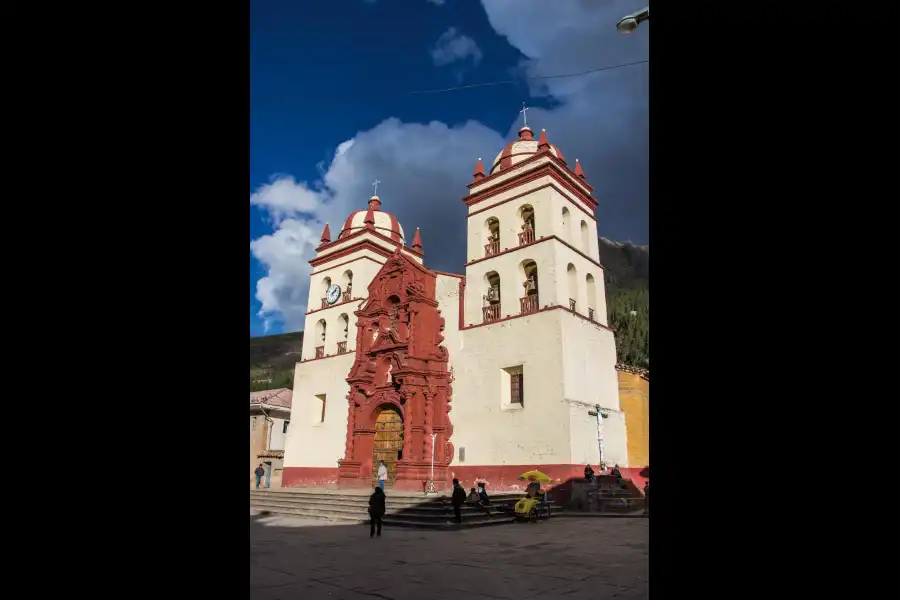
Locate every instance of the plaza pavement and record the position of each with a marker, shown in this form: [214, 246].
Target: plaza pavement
[572, 559]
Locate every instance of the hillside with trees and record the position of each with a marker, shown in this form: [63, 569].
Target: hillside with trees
[272, 357]
[628, 299]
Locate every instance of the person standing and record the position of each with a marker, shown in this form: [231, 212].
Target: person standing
[259, 472]
[647, 498]
[382, 474]
[458, 498]
[376, 510]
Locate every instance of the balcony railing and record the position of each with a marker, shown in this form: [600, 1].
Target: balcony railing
[528, 304]
[591, 314]
[526, 237]
[492, 248]
[342, 347]
[571, 304]
[491, 313]
[320, 351]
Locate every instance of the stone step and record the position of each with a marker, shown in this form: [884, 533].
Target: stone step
[363, 504]
[364, 500]
[355, 513]
[425, 511]
[349, 495]
[392, 507]
[389, 521]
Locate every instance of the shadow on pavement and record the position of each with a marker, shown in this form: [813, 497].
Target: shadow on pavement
[293, 558]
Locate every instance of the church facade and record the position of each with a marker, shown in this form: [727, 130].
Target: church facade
[482, 376]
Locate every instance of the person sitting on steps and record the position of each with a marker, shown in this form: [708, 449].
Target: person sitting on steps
[483, 501]
[588, 473]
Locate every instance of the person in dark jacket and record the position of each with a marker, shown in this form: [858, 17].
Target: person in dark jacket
[259, 472]
[376, 510]
[647, 498]
[458, 498]
[588, 473]
[483, 501]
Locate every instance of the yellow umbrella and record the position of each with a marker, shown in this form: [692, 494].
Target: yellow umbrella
[536, 476]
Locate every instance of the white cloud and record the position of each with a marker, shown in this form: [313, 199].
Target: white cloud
[453, 46]
[600, 118]
[423, 170]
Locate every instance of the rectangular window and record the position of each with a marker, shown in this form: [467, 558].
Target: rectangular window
[284, 427]
[517, 388]
[320, 410]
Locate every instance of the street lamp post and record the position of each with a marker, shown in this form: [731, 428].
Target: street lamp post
[630, 22]
[597, 413]
[431, 489]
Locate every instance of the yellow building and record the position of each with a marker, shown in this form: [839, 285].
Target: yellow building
[634, 398]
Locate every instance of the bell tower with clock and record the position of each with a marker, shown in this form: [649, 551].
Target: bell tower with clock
[341, 272]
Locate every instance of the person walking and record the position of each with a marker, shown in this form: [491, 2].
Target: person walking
[376, 510]
[382, 474]
[458, 498]
[259, 472]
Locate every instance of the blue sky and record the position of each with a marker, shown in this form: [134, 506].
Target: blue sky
[328, 115]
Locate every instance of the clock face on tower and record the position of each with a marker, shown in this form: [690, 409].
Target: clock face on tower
[333, 293]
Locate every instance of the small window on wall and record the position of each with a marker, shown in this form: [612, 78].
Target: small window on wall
[284, 427]
[517, 388]
[513, 391]
[321, 410]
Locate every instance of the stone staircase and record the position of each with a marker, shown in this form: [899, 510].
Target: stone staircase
[605, 496]
[404, 509]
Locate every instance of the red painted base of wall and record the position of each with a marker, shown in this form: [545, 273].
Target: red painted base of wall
[309, 477]
[499, 478]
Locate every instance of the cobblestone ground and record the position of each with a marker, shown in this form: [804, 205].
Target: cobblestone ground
[566, 558]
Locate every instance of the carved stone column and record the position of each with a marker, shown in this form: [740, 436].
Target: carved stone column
[351, 423]
[429, 419]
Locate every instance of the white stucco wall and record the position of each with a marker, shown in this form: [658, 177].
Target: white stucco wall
[568, 367]
[311, 442]
[277, 435]
[564, 256]
[447, 294]
[496, 433]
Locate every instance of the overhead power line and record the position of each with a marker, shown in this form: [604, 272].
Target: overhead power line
[508, 81]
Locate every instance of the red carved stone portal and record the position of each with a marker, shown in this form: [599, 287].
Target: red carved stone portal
[400, 364]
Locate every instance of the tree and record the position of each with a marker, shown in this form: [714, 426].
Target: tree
[629, 315]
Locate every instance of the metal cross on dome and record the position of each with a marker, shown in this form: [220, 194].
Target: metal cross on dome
[375, 185]
[524, 116]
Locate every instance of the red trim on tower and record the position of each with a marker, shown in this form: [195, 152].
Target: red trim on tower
[346, 262]
[538, 311]
[549, 168]
[538, 241]
[560, 164]
[348, 224]
[395, 228]
[505, 159]
[531, 191]
[363, 231]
